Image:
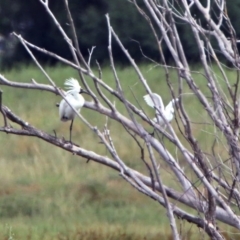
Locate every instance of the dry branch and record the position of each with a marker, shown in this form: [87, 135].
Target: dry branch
[218, 177]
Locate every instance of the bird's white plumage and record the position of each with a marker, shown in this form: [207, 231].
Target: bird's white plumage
[155, 101]
[74, 98]
[170, 106]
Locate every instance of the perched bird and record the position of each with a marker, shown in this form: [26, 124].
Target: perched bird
[155, 101]
[74, 97]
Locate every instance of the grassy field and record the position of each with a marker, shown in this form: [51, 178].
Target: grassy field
[46, 193]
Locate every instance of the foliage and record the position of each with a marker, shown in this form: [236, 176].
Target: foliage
[24, 17]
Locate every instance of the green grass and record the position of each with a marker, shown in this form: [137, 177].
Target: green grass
[47, 193]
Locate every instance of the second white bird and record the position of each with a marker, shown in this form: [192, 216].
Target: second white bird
[155, 101]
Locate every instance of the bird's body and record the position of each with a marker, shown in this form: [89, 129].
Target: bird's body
[74, 97]
[66, 113]
[155, 101]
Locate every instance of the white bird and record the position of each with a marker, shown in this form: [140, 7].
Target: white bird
[155, 101]
[74, 97]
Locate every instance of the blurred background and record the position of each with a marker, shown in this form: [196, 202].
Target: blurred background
[29, 19]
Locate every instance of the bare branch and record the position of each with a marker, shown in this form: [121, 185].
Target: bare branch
[1, 109]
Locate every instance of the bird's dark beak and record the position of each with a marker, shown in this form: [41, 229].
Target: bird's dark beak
[84, 91]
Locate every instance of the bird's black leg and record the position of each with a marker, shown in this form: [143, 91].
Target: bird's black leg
[152, 134]
[71, 131]
[55, 134]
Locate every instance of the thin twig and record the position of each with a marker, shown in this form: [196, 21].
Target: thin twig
[2, 110]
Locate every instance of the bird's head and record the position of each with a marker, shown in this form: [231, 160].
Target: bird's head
[175, 100]
[174, 103]
[83, 91]
[73, 86]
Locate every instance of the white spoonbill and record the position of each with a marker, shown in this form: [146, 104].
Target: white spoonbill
[74, 97]
[155, 101]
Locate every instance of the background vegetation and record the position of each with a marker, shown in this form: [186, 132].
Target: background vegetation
[24, 17]
[46, 194]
